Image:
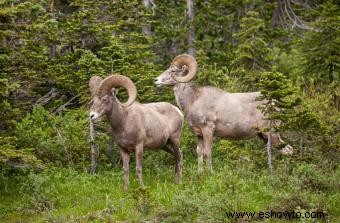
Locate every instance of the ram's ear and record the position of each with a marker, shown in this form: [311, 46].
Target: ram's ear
[94, 84]
[184, 68]
[114, 91]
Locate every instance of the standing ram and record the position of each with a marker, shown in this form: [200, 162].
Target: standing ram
[212, 112]
[135, 126]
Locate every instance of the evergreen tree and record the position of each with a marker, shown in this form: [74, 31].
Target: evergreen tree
[321, 46]
[276, 89]
[252, 54]
[286, 110]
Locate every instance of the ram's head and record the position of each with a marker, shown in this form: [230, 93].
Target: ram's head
[182, 69]
[103, 94]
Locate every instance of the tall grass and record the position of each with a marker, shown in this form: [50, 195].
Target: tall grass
[240, 182]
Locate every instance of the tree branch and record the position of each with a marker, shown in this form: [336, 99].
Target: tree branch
[47, 97]
[62, 107]
[297, 22]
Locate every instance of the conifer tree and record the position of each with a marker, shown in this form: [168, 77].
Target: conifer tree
[276, 89]
[321, 46]
[252, 55]
[284, 108]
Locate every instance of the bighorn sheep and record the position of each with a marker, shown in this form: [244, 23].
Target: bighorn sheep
[136, 126]
[211, 111]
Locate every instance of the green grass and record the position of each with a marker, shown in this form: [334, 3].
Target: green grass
[240, 182]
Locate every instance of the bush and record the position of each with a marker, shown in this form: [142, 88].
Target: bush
[61, 140]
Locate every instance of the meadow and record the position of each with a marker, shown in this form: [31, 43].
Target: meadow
[240, 182]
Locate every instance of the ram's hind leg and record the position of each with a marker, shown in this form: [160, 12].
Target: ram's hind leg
[173, 148]
[178, 159]
[169, 148]
[276, 139]
[199, 151]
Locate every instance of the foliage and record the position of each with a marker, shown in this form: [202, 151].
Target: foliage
[50, 49]
[253, 54]
[276, 90]
[288, 112]
[14, 160]
[321, 48]
[58, 139]
[69, 195]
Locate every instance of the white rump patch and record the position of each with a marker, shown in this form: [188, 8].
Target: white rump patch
[179, 111]
[287, 150]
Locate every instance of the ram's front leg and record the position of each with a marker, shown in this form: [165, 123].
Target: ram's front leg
[199, 151]
[125, 158]
[139, 158]
[208, 136]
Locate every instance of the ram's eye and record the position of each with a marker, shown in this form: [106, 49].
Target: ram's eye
[105, 99]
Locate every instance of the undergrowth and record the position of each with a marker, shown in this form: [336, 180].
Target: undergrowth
[237, 184]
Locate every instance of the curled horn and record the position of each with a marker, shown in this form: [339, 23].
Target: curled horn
[94, 84]
[188, 60]
[116, 80]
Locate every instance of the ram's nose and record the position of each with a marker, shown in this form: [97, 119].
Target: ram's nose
[157, 82]
[93, 115]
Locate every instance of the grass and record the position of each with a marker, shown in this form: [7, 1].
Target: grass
[237, 184]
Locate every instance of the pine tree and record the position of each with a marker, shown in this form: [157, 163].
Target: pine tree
[277, 91]
[252, 55]
[321, 46]
[285, 109]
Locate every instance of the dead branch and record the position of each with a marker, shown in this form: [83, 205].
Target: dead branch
[94, 150]
[63, 143]
[296, 21]
[47, 97]
[62, 107]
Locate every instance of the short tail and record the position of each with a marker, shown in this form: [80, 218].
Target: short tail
[287, 150]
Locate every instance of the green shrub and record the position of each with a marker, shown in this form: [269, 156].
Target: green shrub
[61, 140]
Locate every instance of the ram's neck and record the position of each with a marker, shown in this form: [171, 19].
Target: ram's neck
[185, 95]
[117, 117]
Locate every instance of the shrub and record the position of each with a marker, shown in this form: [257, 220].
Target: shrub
[61, 140]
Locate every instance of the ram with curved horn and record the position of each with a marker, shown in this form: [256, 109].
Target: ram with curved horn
[212, 112]
[135, 126]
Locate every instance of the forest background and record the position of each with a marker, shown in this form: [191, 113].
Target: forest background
[49, 49]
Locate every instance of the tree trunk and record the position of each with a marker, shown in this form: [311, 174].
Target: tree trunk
[191, 33]
[146, 28]
[276, 15]
[301, 146]
[53, 46]
[52, 6]
[53, 50]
